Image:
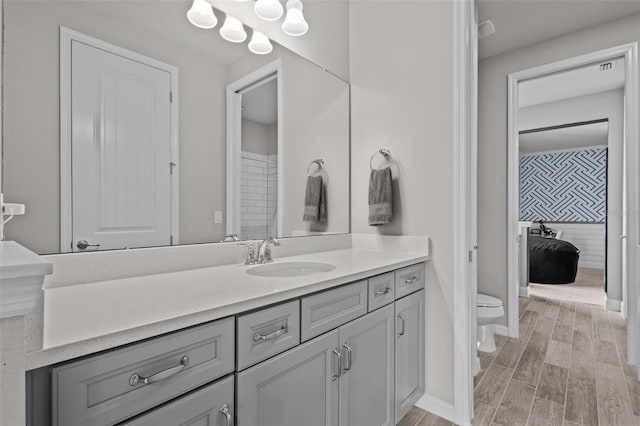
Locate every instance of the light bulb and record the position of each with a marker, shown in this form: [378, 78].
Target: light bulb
[232, 30]
[260, 44]
[201, 15]
[269, 10]
[294, 23]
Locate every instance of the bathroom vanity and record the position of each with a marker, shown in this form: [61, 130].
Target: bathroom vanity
[344, 349]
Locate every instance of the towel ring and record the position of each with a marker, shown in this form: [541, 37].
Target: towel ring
[319, 162]
[384, 152]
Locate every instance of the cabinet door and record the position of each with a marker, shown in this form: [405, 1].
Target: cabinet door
[209, 406]
[409, 352]
[366, 383]
[298, 387]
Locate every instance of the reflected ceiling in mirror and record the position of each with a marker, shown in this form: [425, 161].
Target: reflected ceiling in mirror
[43, 170]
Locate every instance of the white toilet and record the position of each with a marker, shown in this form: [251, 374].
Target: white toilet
[489, 309]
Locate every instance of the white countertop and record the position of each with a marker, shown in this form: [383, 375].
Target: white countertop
[82, 319]
[17, 261]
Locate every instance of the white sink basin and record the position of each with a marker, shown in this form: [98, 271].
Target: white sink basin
[290, 269]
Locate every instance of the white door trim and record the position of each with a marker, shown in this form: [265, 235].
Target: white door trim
[629, 52]
[234, 139]
[68, 35]
[465, 213]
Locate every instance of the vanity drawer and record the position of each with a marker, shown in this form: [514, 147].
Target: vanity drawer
[330, 309]
[204, 407]
[381, 291]
[102, 390]
[267, 332]
[409, 279]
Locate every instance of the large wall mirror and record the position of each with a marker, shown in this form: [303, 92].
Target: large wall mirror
[125, 126]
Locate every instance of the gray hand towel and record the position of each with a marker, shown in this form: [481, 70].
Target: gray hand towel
[315, 200]
[380, 197]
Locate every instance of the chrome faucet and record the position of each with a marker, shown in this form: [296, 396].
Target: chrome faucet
[264, 251]
[251, 258]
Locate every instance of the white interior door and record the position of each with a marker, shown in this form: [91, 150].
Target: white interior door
[120, 150]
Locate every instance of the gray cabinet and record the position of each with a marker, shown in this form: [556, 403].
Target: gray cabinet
[109, 388]
[367, 379]
[330, 309]
[409, 375]
[298, 387]
[209, 406]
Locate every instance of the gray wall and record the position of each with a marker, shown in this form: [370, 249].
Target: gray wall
[31, 118]
[326, 43]
[259, 138]
[402, 99]
[492, 136]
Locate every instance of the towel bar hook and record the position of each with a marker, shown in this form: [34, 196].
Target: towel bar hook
[382, 151]
[318, 162]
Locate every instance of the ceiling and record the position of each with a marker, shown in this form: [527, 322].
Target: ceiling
[260, 103]
[521, 23]
[566, 138]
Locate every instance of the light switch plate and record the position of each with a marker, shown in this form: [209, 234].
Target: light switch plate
[217, 216]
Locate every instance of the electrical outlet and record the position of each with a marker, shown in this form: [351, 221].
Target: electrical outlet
[217, 216]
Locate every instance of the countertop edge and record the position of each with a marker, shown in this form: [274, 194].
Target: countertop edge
[65, 352]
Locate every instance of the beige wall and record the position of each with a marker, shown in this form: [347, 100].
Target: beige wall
[31, 115]
[326, 42]
[31, 102]
[320, 130]
[492, 136]
[259, 138]
[402, 99]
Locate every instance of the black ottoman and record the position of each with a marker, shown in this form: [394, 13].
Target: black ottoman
[552, 261]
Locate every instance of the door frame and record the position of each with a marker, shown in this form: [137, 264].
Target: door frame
[68, 35]
[630, 149]
[234, 144]
[465, 156]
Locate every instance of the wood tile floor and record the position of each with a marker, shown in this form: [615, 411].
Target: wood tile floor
[568, 368]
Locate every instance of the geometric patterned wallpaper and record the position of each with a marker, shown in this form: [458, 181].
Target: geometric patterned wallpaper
[564, 186]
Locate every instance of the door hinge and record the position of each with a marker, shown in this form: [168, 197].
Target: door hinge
[171, 166]
[170, 240]
[170, 96]
[470, 255]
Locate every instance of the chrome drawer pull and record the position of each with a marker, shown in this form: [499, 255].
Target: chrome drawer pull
[411, 280]
[382, 291]
[349, 359]
[257, 337]
[136, 379]
[339, 356]
[227, 414]
[403, 319]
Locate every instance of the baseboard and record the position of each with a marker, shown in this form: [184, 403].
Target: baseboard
[524, 291]
[592, 265]
[437, 406]
[614, 305]
[502, 330]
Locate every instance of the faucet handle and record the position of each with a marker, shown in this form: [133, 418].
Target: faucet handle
[267, 255]
[251, 258]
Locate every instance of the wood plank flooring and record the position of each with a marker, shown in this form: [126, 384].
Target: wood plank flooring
[568, 368]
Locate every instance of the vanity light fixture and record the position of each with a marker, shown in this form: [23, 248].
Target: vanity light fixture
[260, 44]
[294, 23]
[232, 30]
[201, 15]
[269, 10]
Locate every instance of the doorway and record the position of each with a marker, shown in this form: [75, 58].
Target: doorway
[254, 177]
[619, 151]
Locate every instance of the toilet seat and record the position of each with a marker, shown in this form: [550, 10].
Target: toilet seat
[486, 301]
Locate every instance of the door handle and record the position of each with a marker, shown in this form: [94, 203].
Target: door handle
[227, 414]
[83, 244]
[339, 357]
[623, 237]
[402, 319]
[349, 359]
[137, 379]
